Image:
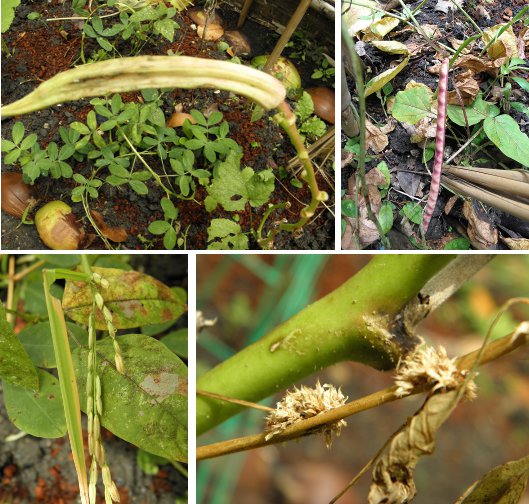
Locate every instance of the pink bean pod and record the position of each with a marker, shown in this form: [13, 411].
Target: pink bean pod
[439, 145]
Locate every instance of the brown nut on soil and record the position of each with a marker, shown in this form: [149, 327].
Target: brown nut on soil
[57, 226]
[16, 195]
[115, 234]
[213, 32]
[238, 42]
[198, 16]
[178, 118]
[323, 99]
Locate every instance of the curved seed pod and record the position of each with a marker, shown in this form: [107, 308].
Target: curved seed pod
[145, 72]
[439, 145]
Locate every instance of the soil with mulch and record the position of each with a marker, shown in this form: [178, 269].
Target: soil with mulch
[409, 180]
[42, 49]
[41, 471]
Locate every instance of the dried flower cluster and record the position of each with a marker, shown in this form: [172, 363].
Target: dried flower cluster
[304, 403]
[107, 314]
[431, 367]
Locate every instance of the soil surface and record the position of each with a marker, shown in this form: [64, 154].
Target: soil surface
[410, 181]
[35, 470]
[265, 145]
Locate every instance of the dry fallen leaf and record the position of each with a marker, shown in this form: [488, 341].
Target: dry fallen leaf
[368, 233]
[481, 232]
[456, 43]
[468, 88]
[477, 65]
[516, 243]
[379, 81]
[359, 17]
[390, 46]
[421, 131]
[504, 46]
[376, 140]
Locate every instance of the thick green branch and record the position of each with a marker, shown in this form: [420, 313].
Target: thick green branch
[358, 321]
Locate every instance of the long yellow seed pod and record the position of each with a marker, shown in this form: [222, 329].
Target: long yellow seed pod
[145, 72]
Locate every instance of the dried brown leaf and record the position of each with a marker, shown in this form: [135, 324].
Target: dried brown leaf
[376, 140]
[481, 231]
[516, 243]
[468, 89]
[477, 65]
[393, 474]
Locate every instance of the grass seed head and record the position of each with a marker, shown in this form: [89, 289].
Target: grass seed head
[305, 402]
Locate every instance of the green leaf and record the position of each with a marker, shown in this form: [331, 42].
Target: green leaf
[168, 208]
[105, 44]
[199, 117]
[233, 188]
[15, 365]
[505, 484]
[523, 83]
[7, 145]
[18, 132]
[477, 112]
[8, 13]
[29, 142]
[210, 203]
[80, 128]
[379, 81]
[413, 212]
[12, 157]
[166, 28]
[39, 413]
[220, 228]
[412, 105]
[158, 227]
[133, 298]
[305, 106]
[460, 243]
[169, 239]
[138, 186]
[38, 342]
[505, 133]
[149, 463]
[385, 216]
[349, 208]
[214, 118]
[147, 405]
[176, 341]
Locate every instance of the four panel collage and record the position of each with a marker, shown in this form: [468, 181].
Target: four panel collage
[199, 306]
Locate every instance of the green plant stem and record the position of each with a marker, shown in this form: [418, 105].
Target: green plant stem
[265, 243]
[67, 381]
[462, 47]
[93, 223]
[287, 120]
[361, 167]
[156, 177]
[358, 321]
[485, 354]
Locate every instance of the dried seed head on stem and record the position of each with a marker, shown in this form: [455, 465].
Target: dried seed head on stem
[432, 368]
[306, 402]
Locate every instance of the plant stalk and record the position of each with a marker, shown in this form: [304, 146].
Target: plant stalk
[359, 321]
